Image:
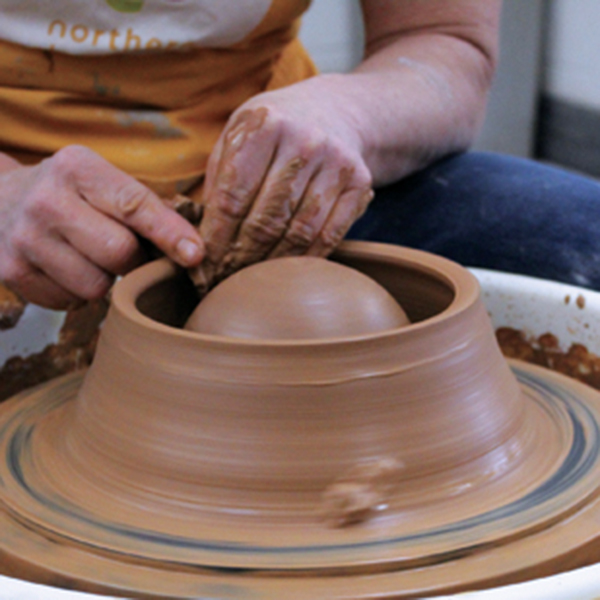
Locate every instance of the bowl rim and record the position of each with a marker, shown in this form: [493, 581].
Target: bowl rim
[461, 282]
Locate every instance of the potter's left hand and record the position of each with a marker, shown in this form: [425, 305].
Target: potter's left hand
[286, 178]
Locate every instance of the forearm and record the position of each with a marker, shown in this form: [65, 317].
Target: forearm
[429, 100]
[421, 92]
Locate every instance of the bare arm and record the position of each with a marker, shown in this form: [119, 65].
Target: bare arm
[294, 167]
[421, 89]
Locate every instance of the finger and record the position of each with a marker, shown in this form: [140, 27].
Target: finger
[235, 177]
[274, 209]
[40, 289]
[349, 207]
[312, 214]
[212, 168]
[67, 268]
[44, 292]
[203, 275]
[104, 241]
[125, 199]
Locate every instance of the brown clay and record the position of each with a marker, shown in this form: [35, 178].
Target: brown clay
[189, 465]
[365, 488]
[296, 298]
[576, 362]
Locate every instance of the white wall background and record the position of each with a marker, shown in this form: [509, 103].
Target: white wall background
[572, 57]
[332, 32]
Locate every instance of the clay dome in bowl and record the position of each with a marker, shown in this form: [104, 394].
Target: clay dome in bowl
[297, 298]
[410, 459]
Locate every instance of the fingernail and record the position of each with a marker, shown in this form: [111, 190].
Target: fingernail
[188, 250]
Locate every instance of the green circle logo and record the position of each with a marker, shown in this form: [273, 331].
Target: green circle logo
[126, 6]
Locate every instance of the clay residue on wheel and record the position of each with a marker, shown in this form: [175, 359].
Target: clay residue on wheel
[11, 308]
[73, 350]
[545, 350]
[360, 492]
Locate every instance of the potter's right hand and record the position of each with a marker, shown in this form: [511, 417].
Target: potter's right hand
[68, 226]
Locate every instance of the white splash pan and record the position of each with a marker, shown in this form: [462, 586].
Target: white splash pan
[36, 329]
[535, 306]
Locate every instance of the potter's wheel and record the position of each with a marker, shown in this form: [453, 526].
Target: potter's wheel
[540, 514]
[48, 531]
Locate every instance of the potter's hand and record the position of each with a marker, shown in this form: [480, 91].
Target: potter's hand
[68, 226]
[286, 177]
[293, 167]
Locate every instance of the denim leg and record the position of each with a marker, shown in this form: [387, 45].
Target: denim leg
[497, 212]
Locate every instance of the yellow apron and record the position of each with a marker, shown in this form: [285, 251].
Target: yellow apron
[155, 115]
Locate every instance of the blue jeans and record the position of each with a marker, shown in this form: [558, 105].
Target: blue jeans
[497, 212]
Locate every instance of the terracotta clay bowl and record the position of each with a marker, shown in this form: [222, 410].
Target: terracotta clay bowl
[405, 461]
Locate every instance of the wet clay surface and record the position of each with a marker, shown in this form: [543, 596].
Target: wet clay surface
[396, 463]
[364, 489]
[94, 545]
[297, 298]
